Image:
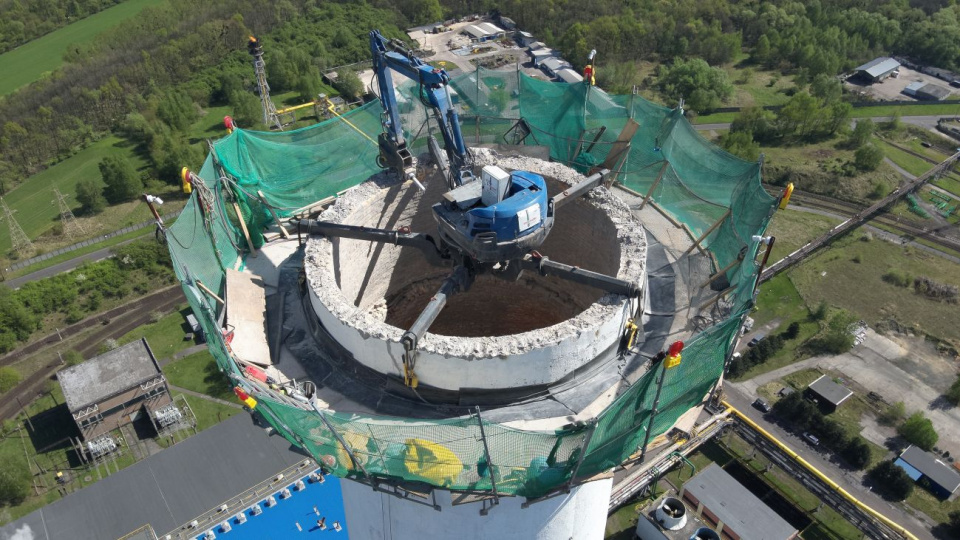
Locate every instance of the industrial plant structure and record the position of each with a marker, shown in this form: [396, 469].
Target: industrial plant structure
[533, 383]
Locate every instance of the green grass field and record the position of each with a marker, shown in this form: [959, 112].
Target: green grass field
[199, 372]
[834, 276]
[31, 60]
[164, 336]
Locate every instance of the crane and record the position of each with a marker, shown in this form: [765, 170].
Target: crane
[492, 224]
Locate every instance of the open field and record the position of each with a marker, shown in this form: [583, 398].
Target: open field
[794, 228]
[835, 276]
[164, 336]
[31, 60]
[35, 204]
[819, 168]
[199, 372]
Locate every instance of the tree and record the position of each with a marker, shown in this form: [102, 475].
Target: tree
[800, 116]
[919, 430]
[861, 133]
[826, 87]
[90, 196]
[868, 157]
[121, 179]
[792, 331]
[761, 53]
[756, 121]
[177, 111]
[247, 112]
[857, 453]
[891, 481]
[953, 394]
[349, 84]
[9, 378]
[741, 144]
[421, 11]
[14, 481]
[702, 86]
[840, 112]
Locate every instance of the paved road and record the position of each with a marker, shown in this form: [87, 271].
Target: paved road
[742, 399]
[66, 266]
[928, 122]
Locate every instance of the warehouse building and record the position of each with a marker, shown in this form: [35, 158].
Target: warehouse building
[926, 91]
[732, 509]
[925, 468]
[484, 31]
[112, 389]
[878, 69]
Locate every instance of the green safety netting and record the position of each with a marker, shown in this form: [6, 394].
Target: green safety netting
[700, 185]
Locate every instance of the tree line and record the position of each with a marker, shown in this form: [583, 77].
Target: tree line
[191, 54]
[24, 21]
[813, 35]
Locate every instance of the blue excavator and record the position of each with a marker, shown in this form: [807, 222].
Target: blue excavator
[491, 224]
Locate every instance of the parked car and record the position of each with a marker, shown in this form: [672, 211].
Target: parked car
[755, 340]
[811, 438]
[762, 405]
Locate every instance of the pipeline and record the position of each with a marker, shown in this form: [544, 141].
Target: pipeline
[833, 485]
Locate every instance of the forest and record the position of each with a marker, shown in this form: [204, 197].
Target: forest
[148, 78]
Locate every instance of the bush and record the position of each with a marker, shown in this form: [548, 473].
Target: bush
[792, 331]
[857, 453]
[919, 431]
[14, 481]
[900, 279]
[891, 481]
[9, 378]
[72, 358]
[820, 313]
[953, 394]
[893, 415]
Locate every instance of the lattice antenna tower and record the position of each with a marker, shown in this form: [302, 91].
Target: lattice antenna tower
[68, 221]
[270, 116]
[21, 243]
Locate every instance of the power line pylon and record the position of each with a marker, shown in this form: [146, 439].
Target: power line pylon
[71, 227]
[270, 116]
[21, 243]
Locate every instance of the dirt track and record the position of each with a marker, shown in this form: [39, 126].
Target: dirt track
[127, 316]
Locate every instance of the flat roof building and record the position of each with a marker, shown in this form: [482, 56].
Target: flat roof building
[828, 394]
[736, 513]
[569, 76]
[553, 65]
[931, 92]
[539, 55]
[941, 479]
[110, 390]
[483, 31]
[878, 69]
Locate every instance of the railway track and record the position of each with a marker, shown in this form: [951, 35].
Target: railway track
[131, 316]
[848, 209]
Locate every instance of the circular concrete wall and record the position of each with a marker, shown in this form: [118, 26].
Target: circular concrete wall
[499, 334]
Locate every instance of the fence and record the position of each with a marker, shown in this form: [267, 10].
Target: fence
[709, 191]
[80, 245]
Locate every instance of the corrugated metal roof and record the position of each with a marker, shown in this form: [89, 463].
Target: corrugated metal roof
[932, 468]
[879, 66]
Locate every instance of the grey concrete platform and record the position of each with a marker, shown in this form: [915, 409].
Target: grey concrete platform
[166, 489]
